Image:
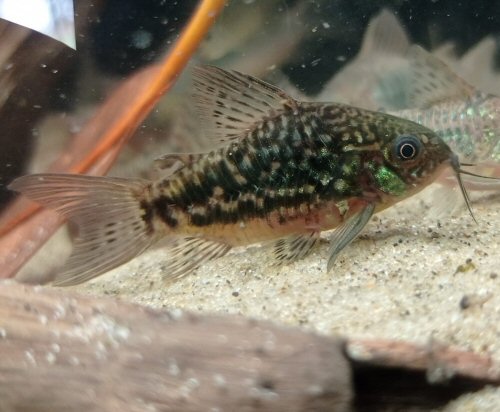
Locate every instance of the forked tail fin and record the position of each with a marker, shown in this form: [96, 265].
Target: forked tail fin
[113, 227]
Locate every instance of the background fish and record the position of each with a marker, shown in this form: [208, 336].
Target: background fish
[467, 119]
[409, 82]
[285, 171]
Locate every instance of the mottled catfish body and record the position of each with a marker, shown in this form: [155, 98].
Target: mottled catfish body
[391, 75]
[284, 170]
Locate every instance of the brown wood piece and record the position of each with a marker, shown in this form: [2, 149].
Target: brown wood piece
[65, 352]
[62, 351]
[439, 362]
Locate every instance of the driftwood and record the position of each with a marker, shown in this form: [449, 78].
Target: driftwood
[24, 227]
[64, 352]
[393, 375]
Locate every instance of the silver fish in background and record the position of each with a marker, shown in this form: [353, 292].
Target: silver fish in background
[409, 82]
[286, 171]
[467, 119]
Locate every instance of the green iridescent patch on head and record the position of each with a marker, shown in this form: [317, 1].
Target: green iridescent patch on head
[389, 182]
[471, 111]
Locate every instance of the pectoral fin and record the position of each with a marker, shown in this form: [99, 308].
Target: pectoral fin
[345, 233]
[295, 247]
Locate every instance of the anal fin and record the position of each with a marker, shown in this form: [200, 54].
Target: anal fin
[295, 247]
[188, 253]
[346, 232]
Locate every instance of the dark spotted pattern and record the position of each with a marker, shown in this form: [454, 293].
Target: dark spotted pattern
[163, 208]
[314, 155]
[148, 214]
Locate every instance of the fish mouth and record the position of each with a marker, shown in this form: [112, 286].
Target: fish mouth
[456, 165]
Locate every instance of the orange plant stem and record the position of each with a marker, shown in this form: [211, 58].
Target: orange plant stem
[140, 105]
[175, 61]
[17, 232]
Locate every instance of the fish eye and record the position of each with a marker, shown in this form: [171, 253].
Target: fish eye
[407, 147]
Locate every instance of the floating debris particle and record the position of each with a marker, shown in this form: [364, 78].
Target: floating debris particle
[474, 300]
[465, 267]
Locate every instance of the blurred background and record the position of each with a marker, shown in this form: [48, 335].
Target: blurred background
[48, 90]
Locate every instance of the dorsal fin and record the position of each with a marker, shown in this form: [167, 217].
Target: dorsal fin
[386, 39]
[385, 35]
[482, 75]
[483, 51]
[231, 103]
[433, 82]
[382, 57]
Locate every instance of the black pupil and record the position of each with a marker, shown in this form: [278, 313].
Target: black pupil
[407, 150]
